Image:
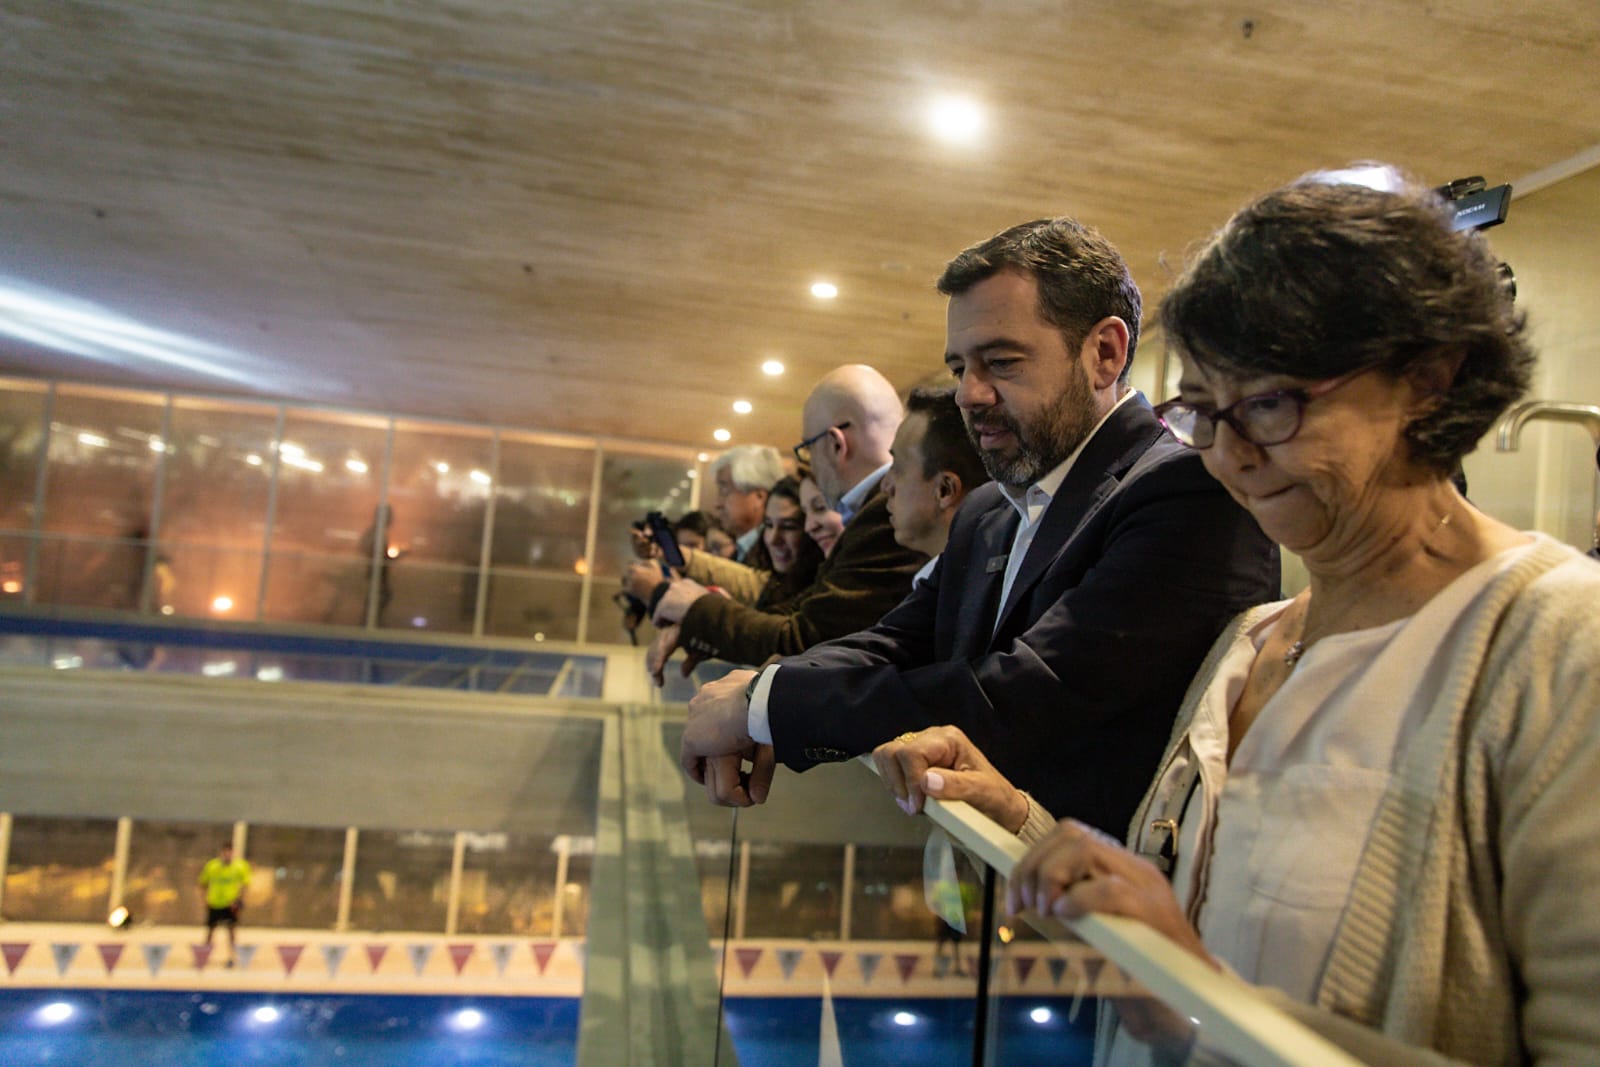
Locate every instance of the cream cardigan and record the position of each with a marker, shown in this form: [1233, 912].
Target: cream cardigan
[1473, 924]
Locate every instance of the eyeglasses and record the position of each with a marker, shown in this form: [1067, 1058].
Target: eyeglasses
[802, 451]
[1263, 419]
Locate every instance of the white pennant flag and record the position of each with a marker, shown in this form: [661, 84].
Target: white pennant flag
[420, 955]
[333, 955]
[155, 957]
[64, 955]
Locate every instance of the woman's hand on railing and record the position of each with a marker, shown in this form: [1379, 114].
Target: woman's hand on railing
[942, 762]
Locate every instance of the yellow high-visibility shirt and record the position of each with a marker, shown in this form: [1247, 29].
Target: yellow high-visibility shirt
[224, 882]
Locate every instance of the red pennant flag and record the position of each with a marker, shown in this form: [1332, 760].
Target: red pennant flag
[830, 960]
[202, 956]
[375, 954]
[1091, 969]
[460, 954]
[110, 953]
[1058, 967]
[13, 951]
[1024, 965]
[289, 955]
[905, 963]
[748, 958]
[542, 951]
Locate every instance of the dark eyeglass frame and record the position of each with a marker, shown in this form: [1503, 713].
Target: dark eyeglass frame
[1301, 396]
[802, 451]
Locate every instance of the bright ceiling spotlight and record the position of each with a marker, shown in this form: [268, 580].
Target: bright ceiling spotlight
[824, 290]
[56, 1012]
[442, 468]
[721, 436]
[481, 477]
[742, 407]
[222, 604]
[904, 1018]
[703, 457]
[955, 119]
[119, 918]
[772, 368]
[1041, 1015]
[266, 1014]
[355, 466]
[467, 1019]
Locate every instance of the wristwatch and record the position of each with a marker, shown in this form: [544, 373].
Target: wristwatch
[750, 690]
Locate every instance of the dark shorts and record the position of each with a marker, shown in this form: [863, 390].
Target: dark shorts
[216, 916]
[947, 932]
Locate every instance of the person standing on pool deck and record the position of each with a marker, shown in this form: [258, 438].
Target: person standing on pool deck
[224, 878]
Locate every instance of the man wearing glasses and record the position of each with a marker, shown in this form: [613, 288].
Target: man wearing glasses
[849, 420]
[1075, 597]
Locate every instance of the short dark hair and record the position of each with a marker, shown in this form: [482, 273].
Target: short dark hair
[1080, 276]
[699, 522]
[945, 444]
[1321, 277]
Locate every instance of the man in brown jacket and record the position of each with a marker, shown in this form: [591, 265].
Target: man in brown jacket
[849, 420]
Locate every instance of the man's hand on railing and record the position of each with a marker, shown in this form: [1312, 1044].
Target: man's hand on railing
[941, 762]
[717, 742]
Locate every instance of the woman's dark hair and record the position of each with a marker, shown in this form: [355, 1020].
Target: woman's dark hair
[1321, 278]
[700, 522]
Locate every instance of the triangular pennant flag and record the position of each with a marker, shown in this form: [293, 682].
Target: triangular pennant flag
[155, 957]
[830, 960]
[542, 951]
[13, 951]
[244, 954]
[460, 954]
[201, 953]
[1024, 966]
[580, 949]
[289, 955]
[332, 956]
[110, 953]
[420, 955]
[1091, 970]
[829, 1054]
[500, 952]
[1058, 967]
[787, 958]
[375, 953]
[64, 954]
[747, 959]
[868, 962]
[905, 963]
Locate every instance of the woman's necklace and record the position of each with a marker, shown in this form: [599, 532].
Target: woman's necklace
[1292, 654]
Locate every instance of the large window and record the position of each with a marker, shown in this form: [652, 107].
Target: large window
[888, 901]
[104, 449]
[294, 876]
[402, 880]
[536, 553]
[22, 429]
[508, 885]
[59, 870]
[794, 891]
[215, 492]
[330, 534]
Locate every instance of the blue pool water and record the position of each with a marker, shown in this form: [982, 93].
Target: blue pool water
[107, 1028]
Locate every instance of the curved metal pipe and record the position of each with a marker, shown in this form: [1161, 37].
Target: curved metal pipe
[1508, 431]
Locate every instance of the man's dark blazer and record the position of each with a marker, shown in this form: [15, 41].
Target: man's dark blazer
[1139, 561]
[867, 574]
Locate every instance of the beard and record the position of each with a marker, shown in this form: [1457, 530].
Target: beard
[1043, 441]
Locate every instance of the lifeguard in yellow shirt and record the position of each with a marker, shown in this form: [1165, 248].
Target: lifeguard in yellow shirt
[223, 878]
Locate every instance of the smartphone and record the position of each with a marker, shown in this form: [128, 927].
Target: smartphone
[661, 533]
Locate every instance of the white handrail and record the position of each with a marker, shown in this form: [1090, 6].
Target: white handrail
[1233, 1017]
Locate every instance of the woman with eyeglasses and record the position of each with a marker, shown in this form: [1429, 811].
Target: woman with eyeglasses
[1378, 804]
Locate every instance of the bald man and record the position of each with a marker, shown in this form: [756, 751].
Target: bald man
[849, 422]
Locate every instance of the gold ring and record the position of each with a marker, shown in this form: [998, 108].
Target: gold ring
[909, 735]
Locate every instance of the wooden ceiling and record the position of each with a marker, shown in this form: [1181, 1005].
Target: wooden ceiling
[600, 217]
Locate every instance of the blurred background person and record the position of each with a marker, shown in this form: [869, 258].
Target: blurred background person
[935, 466]
[822, 524]
[742, 477]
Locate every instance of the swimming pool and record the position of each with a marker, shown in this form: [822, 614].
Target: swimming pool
[183, 1029]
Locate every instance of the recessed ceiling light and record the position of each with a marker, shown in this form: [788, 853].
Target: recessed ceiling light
[703, 457]
[721, 435]
[772, 368]
[824, 290]
[955, 119]
[742, 407]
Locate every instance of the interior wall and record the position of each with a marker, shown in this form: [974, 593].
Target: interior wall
[1551, 238]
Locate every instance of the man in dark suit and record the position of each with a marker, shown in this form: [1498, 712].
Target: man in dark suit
[1075, 598]
[849, 423]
